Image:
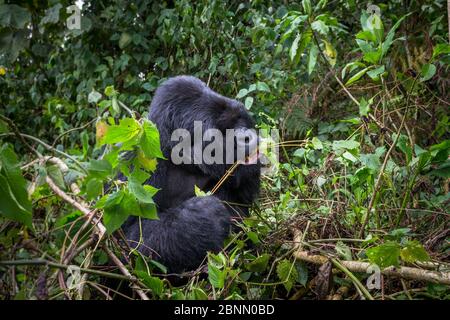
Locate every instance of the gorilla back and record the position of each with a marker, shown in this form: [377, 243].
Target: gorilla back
[189, 226]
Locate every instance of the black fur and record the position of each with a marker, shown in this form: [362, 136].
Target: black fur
[189, 226]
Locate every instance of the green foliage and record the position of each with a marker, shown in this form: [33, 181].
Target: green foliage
[360, 101]
[389, 253]
[287, 273]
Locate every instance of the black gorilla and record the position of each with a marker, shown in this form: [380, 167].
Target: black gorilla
[189, 226]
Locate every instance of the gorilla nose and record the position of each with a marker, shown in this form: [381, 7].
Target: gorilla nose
[246, 137]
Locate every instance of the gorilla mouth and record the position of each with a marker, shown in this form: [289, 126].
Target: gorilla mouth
[252, 159]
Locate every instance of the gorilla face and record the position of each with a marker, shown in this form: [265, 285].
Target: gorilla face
[184, 102]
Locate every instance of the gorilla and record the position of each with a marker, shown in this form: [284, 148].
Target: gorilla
[189, 226]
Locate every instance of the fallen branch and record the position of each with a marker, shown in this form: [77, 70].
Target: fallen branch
[402, 272]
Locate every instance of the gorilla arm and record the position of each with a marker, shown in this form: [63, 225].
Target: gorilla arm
[183, 234]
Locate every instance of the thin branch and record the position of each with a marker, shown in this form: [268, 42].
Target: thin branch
[43, 262]
[18, 134]
[125, 271]
[47, 146]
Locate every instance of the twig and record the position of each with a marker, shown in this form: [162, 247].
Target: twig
[18, 134]
[125, 271]
[43, 262]
[47, 146]
[72, 130]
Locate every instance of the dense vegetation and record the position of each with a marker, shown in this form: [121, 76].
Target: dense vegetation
[358, 93]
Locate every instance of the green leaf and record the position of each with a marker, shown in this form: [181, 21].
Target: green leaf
[56, 175]
[3, 127]
[427, 72]
[375, 73]
[330, 53]
[253, 236]
[12, 15]
[52, 14]
[248, 102]
[351, 66]
[294, 47]
[12, 42]
[111, 200]
[371, 161]
[159, 266]
[317, 144]
[390, 36]
[138, 190]
[84, 136]
[442, 171]
[100, 168]
[372, 57]
[413, 251]
[357, 76]
[110, 91]
[199, 294]
[242, 93]
[94, 188]
[403, 144]
[215, 276]
[115, 105]
[343, 251]
[259, 264]
[10, 207]
[302, 271]
[148, 211]
[347, 155]
[307, 6]
[126, 131]
[312, 59]
[115, 215]
[385, 255]
[14, 201]
[287, 273]
[124, 40]
[363, 107]
[366, 35]
[146, 163]
[345, 144]
[375, 25]
[441, 48]
[424, 160]
[200, 193]
[149, 142]
[320, 27]
[262, 86]
[153, 283]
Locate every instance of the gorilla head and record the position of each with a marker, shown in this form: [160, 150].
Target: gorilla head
[184, 101]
